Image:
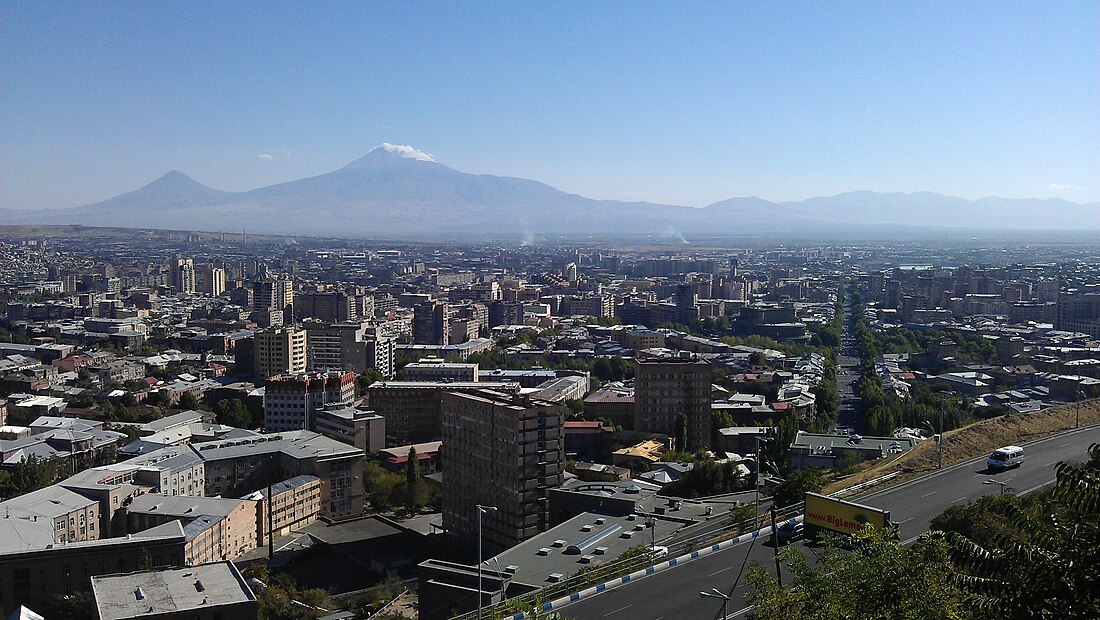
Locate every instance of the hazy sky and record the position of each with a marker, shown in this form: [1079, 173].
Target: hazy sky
[678, 102]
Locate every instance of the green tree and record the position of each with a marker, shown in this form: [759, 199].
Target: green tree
[880, 579]
[681, 431]
[188, 401]
[413, 482]
[798, 483]
[1048, 564]
[233, 412]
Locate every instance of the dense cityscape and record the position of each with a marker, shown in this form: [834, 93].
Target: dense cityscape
[262, 412]
[549, 311]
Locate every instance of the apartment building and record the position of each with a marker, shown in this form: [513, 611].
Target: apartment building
[361, 428]
[279, 351]
[210, 592]
[413, 408]
[666, 387]
[501, 449]
[216, 528]
[437, 369]
[290, 401]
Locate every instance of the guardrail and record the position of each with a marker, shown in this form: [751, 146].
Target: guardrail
[864, 485]
[615, 571]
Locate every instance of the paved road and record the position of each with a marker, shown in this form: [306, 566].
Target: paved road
[673, 593]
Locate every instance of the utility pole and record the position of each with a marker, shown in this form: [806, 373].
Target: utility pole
[775, 539]
[939, 441]
[1077, 399]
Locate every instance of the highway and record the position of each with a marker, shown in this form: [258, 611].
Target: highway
[674, 593]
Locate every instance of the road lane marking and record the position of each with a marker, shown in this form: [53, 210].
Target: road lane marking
[616, 611]
[927, 494]
[958, 499]
[1053, 463]
[1037, 487]
[717, 572]
[1065, 444]
[906, 521]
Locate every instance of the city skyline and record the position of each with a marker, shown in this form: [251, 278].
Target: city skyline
[783, 102]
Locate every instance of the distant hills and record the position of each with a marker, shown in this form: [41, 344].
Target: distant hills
[399, 191]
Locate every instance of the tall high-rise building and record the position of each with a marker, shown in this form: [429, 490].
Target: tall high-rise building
[271, 294]
[183, 275]
[431, 323]
[1079, 311]
[279, 351]
[340, 346]
[330, 306]
[501, 449]
[210, 280]
[666, 387]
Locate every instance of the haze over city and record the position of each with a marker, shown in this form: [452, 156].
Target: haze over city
[660, 104]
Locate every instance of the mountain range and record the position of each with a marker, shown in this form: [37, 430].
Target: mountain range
[399, 191]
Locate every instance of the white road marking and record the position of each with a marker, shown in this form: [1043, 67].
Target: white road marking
[1065, 444]
[905, 521]
[928, 494]
[616, 611]
[718, 572]
[957, 500]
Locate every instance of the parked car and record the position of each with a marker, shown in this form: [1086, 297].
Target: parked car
[787, 532]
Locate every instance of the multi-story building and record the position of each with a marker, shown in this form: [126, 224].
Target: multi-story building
[295, 503]
[1079, 312]
[431, 323]
[216, 528]
[290, 401]
[437, 369]
[183, 275]
[413, 408]
[279, 351]
[327, 306]
[667, 387]
[210, 280]
[501, 449]
[380, 350]
[34, 570]
[340, 346]
[237, 468]
[361, 428]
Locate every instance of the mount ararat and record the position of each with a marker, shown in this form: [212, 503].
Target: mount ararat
[397, 191]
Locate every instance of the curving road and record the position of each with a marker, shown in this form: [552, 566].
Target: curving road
[674, 593]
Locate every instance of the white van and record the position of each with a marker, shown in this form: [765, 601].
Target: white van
[1005, 458]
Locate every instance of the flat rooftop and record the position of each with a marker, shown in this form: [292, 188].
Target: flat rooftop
[599, 538]
[167, 591]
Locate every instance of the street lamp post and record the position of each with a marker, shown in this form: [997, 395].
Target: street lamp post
[716, 593]
[992, 481]
[1077, 399]
[759, 466]
[939, 441]
[481, 510]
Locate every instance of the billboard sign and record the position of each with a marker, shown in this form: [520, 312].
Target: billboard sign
[837, 515]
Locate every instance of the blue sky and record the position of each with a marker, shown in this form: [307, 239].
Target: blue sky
[684, 103]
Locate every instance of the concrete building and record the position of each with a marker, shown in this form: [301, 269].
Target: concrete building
[237, 468]
[340, 346]
[34, 570]
[413, 409]
[279, 351]
[431, 323]
[361, 428]
[500, 449]
[216, 528]
[437, 369]
[210, 280]
[210, 592]
[326, 306]
[290, 401]
[666, 387]
[296, 502]
[380, 352]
